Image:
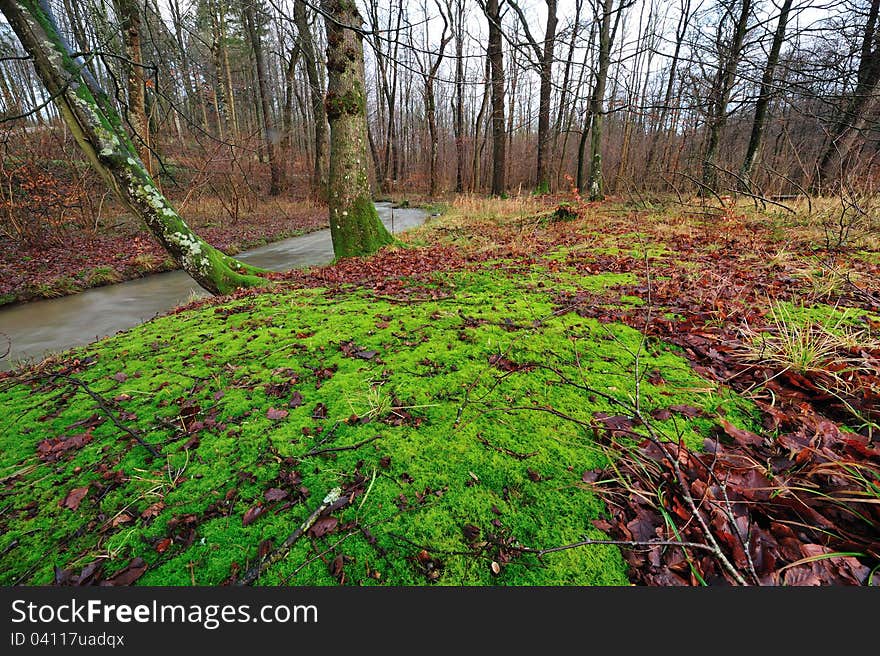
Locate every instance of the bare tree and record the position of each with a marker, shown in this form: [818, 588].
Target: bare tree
[495, 53]
[544, 57]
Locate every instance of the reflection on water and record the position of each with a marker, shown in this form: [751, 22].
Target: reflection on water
[42, 327]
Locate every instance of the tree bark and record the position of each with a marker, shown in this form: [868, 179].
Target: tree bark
[595, 181]
[98, 129]
[354, 223]
[496, 65]
[129, 16]
[765, 95]
[458, 103]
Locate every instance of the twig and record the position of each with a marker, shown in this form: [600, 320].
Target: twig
[333, 449]
[133, 432]
[509, 452]
[632, 544]
[278, 554]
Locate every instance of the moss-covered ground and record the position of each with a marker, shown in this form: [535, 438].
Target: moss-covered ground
[456, 420]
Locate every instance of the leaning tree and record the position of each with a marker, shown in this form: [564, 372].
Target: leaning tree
[98, 129]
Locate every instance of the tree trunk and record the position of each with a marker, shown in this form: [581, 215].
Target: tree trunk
[354, 223]
[319, 115]
[765, 94]
[496, 64]
[595, 181]
[721, 89]
[458, 106]
[269, 132]
[136, 112]
[544, 53]
[854, 119]
[98, 130]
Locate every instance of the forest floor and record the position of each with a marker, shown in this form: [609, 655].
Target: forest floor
[75, 259]
[609, 394]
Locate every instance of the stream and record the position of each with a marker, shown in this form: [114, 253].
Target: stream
[40, 328]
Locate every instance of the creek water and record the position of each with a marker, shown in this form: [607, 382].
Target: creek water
[40, 328]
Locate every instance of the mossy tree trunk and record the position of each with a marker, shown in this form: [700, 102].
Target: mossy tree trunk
[98, 129]
[596, 180]
[354, 222]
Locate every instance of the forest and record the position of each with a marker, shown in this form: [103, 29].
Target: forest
[442, 292]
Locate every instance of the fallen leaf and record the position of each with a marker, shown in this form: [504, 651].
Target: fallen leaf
[743, 437]
[471, 532]
[274, 414]
[252, 514]
[686, 410]
[74, 497]
[337, 566]
[129, 575]
[323, 526]
[152, 510]
[275, 494]
[122, 518]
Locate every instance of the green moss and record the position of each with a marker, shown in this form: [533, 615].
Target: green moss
[450, 398]
[356, 228]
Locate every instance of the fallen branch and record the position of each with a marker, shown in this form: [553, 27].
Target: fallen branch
[509, 452]
[630, 544]
[333, 449]
[278, 554]
[102, 403]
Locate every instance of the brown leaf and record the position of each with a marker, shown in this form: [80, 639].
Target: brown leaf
[743, 437]
[129, 575]
[274, 414]
[337, 566]
[686, 410]
[296, 400]
[152, 510]
[162, 545]
[471, 532]
[122, 518]
[74, 497]
[275, 494]
[252, 514]
[590, 476]
[323, 526]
